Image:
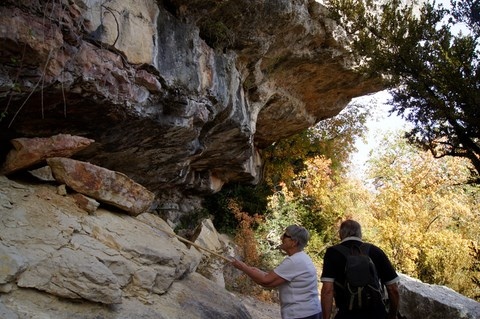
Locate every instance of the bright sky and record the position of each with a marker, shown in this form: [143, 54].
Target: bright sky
[379, 126]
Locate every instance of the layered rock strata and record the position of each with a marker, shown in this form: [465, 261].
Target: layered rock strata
[181, 96]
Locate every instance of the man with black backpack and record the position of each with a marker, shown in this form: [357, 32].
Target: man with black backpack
[354, 274]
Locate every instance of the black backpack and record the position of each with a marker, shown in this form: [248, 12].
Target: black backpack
[361, 289]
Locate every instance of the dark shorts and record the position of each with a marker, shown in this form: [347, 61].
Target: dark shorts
[316, 316]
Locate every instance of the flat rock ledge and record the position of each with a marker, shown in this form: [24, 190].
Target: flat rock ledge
[30, 151]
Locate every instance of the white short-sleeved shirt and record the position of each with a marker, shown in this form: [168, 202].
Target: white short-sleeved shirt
[299, 294]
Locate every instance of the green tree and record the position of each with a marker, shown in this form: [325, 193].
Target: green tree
[432, 72]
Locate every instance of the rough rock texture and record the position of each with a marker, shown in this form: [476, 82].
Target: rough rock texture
[107, 265]
[100, 183]
[64, 273]
[30, 151]
[180, 96]
[212, 268]
[86, 203]
[420, 300]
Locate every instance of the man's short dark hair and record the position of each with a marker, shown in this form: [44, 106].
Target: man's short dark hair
[350, 228]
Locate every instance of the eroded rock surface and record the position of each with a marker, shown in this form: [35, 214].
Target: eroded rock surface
[181, 96]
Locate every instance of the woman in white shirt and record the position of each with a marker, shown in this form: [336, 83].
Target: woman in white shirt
[295, 277]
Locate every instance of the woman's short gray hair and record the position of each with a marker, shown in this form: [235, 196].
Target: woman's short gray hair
[299, 234]
[350, 228]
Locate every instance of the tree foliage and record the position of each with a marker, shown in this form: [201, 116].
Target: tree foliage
[250, 199]
[432, 72]
[421, 212]
[332, 138]
[425, 215]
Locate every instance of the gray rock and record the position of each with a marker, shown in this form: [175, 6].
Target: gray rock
[6, 313]
[75, 275]
[43, 174]
[12, 264]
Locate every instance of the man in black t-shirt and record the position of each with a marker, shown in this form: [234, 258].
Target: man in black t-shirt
[333, 271]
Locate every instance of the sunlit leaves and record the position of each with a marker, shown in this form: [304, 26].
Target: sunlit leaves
[425, 214]
[332, 138]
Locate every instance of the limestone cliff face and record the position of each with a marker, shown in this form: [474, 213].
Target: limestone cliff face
[181, 96]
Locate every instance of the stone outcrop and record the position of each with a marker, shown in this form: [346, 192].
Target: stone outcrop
[180, 96]
[420, 300]
[105, 185]
[50, 248]
[28, 152]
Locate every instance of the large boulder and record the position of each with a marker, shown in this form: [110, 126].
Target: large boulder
[107, 186]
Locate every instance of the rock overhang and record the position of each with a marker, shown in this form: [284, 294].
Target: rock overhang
[192, 110]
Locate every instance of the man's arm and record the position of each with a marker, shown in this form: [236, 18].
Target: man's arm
[394, 298]
[327, 299]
